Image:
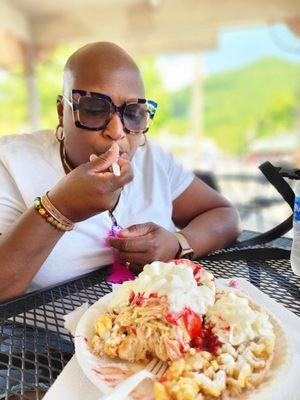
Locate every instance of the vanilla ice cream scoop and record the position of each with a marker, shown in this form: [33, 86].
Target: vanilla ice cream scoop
[234, 321]
[176, 281]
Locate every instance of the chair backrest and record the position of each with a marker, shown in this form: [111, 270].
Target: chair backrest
[209, 178]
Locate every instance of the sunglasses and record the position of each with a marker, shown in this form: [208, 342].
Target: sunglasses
[94, 111]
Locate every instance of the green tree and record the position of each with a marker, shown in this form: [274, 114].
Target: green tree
[278, 115]
[154, 90]
[50, 79]
[13, 102]
[260, 98]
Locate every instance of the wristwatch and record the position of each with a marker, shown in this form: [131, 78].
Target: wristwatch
[185, 250]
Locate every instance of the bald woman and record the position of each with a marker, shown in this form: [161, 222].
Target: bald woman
[59, 196]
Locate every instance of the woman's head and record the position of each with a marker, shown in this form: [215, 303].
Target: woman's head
[106, 69]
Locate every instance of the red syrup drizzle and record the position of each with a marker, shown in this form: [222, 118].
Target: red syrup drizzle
[192, 321]
[207, 341]
[202, 338]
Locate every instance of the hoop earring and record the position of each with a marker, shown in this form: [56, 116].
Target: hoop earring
[145, 141]
[59, 133]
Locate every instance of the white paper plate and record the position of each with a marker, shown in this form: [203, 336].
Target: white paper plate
[106, 373]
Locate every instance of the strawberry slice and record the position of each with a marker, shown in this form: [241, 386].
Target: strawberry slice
[193, 323]
[188, 263]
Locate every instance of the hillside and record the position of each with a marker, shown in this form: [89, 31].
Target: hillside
[258, 99]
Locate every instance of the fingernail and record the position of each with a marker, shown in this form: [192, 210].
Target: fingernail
[93, 157]
[124, 232]
[116, 169]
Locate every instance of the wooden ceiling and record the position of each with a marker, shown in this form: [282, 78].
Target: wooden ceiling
[140, 26]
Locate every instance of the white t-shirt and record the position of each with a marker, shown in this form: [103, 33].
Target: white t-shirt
[30, 165]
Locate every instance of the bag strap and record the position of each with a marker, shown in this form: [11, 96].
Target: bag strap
[261, 254]
[289, 173]
[275, 178]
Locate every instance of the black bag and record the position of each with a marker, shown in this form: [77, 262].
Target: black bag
[238, 250]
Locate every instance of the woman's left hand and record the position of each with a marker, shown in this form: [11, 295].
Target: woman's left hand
[144, 243]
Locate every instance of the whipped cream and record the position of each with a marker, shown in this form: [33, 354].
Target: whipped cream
[173, 280]
[235, 322]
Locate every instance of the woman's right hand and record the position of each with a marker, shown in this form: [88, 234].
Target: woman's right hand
[90, 188]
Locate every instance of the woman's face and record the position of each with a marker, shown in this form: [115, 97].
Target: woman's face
[120, 85]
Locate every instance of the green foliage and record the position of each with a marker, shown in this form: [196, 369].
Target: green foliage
[13, 93]
[154, 90]
[179, 119]
[260, 98]
[50, 78]
[13, 102]
[278, 115]
[255, 101]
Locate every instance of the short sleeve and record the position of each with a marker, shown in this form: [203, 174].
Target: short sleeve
[11, 203]
[179, 178]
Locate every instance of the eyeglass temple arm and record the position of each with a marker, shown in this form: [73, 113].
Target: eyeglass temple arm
[67, 100]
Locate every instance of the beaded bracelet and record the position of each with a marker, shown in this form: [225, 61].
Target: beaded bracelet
[50, 218]
[54, 211]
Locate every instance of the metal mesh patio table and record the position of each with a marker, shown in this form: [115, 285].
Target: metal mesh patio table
[35, 346]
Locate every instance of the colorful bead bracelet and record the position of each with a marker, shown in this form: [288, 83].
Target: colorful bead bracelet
[54, 220]
[54, 211]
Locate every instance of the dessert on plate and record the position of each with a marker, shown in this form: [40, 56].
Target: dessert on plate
[235, 358]
[156, 315]
[218, 344]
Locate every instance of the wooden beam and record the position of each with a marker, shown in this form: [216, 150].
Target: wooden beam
[294, 25]
[140, 26]
[14, 22]
[170, 21]
[33, 103]
[10, 50]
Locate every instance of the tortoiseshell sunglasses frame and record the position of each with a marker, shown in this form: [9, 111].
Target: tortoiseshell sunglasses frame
[151, 109]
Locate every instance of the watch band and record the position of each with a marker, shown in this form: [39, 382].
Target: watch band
[185, 250]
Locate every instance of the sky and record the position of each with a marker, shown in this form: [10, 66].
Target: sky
[236, 48]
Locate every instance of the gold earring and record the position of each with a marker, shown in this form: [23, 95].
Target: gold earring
[145, 141]
[59, 133]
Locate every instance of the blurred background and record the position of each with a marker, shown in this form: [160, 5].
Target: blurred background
[226, 75]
